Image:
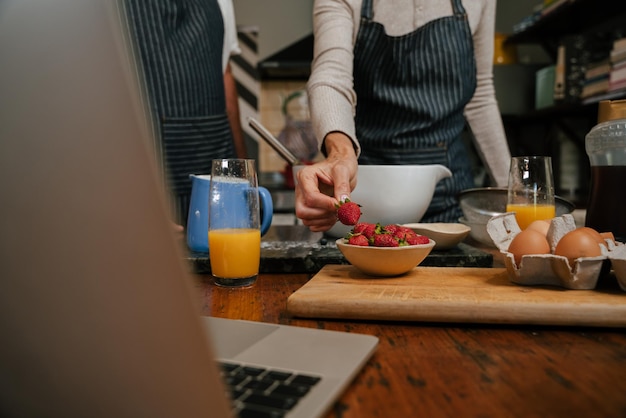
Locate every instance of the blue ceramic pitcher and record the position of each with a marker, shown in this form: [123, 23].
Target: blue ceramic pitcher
[198, 218]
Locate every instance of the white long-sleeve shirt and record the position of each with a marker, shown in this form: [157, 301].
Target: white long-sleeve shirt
[231, 43]
[330, 87]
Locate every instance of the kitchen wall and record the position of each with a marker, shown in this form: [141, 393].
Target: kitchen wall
[509, 13]
[281, 23]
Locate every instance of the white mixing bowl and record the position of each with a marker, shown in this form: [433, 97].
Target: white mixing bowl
[397, 194]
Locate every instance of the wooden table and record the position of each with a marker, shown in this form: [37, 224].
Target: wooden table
[431, 370]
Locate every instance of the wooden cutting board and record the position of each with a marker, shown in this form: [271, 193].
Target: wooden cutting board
[453, 294]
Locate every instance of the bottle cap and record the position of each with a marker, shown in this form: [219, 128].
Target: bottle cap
[611, 110]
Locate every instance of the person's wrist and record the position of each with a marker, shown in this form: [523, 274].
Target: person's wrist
[338, 144]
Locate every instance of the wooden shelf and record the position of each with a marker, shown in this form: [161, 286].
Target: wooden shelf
[552, 112]
[572, 17]
[594, 19]
[614, 95]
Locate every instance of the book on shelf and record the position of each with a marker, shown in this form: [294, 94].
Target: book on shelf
[618, 65]
[598, 68]
[581, 59]
[613, 86]
[617, 86]
[596, 79]
[619, 44]
[597, 86]
[572, 57]
[618, 74]
[618, 55]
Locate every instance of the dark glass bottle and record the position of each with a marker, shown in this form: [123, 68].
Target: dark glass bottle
[606, 147]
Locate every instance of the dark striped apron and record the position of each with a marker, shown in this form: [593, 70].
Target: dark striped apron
[411, 91]
[179, 43]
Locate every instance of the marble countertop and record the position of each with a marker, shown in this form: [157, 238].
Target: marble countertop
[295, 249]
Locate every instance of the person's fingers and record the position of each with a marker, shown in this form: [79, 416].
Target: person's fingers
[312, 213]
[320, 187]
[341, 178]
[315, 218]
[321, 224]
[311, 181]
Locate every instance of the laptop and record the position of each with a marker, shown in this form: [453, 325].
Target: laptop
[98, 315]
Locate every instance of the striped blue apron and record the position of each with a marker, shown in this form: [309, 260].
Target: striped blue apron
[411, 91]
[179, 43]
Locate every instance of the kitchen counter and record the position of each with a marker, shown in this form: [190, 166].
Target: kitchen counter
[295, 249]
[451, 369]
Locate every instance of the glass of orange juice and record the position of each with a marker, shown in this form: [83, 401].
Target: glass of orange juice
[234, 222]
[531, 189]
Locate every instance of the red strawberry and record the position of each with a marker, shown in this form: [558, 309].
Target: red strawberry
[385, 240]
[365, 228]
[358, 239]
[417, 240]
[408, 230]
[392, 228]
[403, 233]
[348, 212]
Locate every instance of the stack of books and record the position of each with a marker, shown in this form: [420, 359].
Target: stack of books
[584, 67]
[617, 76]
[596, 78]
[575, 54]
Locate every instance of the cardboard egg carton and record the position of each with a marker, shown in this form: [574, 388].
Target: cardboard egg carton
[550, 269]
[618, 262]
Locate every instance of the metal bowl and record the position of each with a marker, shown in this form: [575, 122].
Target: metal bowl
[480, 204]
[478, 231]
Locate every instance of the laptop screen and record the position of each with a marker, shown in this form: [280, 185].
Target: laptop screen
[98, 314]
[94, 298]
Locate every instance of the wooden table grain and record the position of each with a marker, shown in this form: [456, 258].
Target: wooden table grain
[448, 370]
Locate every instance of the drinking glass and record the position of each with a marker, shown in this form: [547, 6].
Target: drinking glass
[234, 222]
[531, 189]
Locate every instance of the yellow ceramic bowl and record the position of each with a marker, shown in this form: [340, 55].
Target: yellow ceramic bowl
[385, 261]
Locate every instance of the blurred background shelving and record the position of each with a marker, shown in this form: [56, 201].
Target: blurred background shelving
[575, 36]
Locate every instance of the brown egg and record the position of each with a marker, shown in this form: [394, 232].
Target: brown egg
[595, 234]
[577, 243]
[527, 242]
[541, 225]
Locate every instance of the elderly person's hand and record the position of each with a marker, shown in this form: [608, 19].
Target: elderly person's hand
[321, 186]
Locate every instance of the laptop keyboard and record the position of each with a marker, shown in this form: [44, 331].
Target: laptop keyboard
[258, 392]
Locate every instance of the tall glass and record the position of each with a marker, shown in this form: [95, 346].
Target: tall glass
[531, 189]
[234, 223]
